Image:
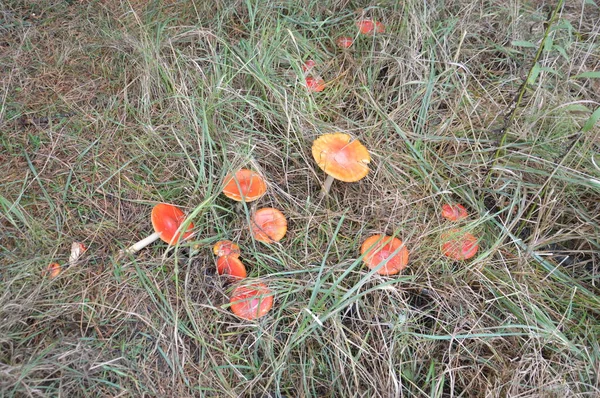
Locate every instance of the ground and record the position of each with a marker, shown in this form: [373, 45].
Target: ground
[109, 107]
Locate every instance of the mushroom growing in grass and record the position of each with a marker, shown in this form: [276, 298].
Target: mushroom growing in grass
[252, 301]
[167, 221]
[341, 157]
[232, 266]
[379, 248]
[308, 65]
[344, 41]
[53, 270]
[226, 248]
[315, 84]
[268, 225]
[369, 27]
[459, 245]
[244, 186]
[455, 212]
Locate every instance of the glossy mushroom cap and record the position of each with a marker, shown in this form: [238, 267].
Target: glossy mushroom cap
[368, 27]
[232, 266]
[245, 186]
[344, 41]
[251, 302]
[341, 157]
[454, 212]
[315, 84]
[166, 219]
[268, 225]
[379, 248]
[459, 245]
[226, 248]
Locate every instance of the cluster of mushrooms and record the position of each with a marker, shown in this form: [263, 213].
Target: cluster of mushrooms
[341, 158]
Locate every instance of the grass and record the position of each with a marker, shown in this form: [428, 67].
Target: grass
[109, 107]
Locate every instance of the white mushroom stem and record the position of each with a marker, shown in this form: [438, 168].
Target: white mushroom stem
[143, 243]
[327, 185]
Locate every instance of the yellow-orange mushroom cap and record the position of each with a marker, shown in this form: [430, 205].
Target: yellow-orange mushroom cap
[245, 186]
[166, 220]
[341, 157]
[379, 248]
[459, 245]
[226, 248]
[251, 302]
[268, 225]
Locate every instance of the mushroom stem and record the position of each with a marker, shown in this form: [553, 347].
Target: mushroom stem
[327, 185]
[143, 243]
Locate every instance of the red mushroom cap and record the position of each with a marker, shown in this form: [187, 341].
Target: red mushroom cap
[344, 41]
[232, 266]
[251, 186]
[454, 212]
[53, 270]
[166, 219]
[268, 225]
[315, 84]
[379, 248]
[226, 248]
[308, 65]
[368, 27]
[251, 302]
[459, 245]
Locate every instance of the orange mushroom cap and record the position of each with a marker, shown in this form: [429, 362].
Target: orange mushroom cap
[368, 27]
[268, 225]
[226, 248]
[454, 212]
[251, 302]
[341, 157]
[246, 185]
[232, 266]
[53, 270]
[344, 41]
[166, 219]
[459, 245]
[379, 248]
[315, 84]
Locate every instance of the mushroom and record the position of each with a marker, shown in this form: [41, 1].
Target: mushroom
[454, 212]
[167, 221]
[341, 158]
[315, 84]
[459, 245]
[344, 41]
[245, 186]
[268, 225]
[53, 270]
[251, 302]
[308, 65]
[381, 248]
[226, 248]
[368, 27]
[232, 266]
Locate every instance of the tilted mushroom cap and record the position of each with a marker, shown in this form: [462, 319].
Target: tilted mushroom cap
[53, 270]
[379, 248]
[246, 185]
[232, 266]
[341, 157]
[226, 248]
[459, 245]
[251, 302]
[344, 41]
[268, 225]
[166, 219]
[454, 212]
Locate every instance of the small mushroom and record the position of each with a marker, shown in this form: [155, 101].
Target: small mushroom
[315, 84]
[341, 157]
[268, 225]
[369, 27]
[459, 245]
[344, 41]
[308, 65]
[232, 266]
[167, 221]
[379, 248]
[244, 186]
[226, 248]
[455, 212]
[251, 302]
[53, 270]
